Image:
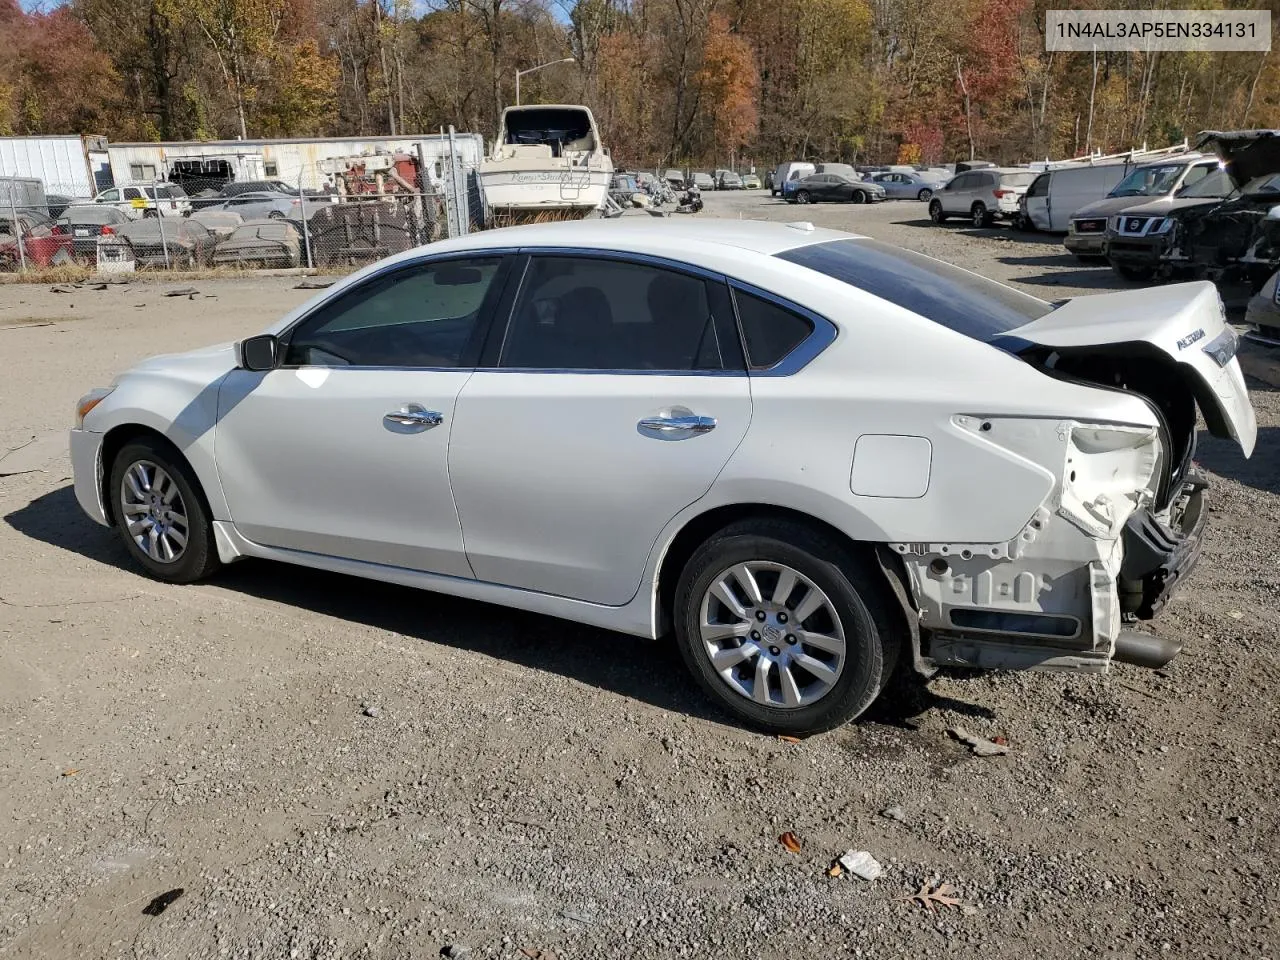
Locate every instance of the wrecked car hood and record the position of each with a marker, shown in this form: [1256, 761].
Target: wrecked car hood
[1247, 153]
[1166, 206]
[1185, 321]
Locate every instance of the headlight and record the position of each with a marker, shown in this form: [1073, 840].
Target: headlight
[89, 401]
[1164, 226]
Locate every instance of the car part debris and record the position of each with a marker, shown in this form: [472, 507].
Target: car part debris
[162, 903]
[979, 746]
[861, 864]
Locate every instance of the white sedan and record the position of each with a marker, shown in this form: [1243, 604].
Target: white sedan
[809, 455]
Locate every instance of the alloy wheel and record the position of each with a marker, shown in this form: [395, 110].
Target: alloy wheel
[802, 196]
[924, 195]
[772, 635]
[154, 512]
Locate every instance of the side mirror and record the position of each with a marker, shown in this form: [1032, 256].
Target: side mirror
[258, 353]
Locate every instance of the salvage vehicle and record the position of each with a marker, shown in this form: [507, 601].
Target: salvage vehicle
[182, 243]
[86, 222]
[1236, 241]
[1087, 228]
[981, 196]
[1138, 238]
[809, 454]
[1262, 317]
[832, 187]
[43, 241]
[261, 243]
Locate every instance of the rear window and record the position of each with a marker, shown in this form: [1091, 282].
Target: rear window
[957, 299]
[1017, 179]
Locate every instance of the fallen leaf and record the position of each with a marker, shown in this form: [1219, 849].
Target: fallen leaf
[835, 870]
[161, 903]
[786, 739]
[70, 772]
[789, 841]
[943, 893]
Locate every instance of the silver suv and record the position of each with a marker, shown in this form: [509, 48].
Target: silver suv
[981, 196]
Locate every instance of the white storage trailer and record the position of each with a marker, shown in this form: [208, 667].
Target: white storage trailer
[293, 161]
[73, 166]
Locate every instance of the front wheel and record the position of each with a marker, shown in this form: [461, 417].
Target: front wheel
[785, 626]
[924, 195]
[160, 512]
[859, 196]
[802, 196]
[935, 212]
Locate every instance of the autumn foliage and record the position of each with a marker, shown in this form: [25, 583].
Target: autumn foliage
[706, 82]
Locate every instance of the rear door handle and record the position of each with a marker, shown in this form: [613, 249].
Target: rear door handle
[413, 415]
[685, 424]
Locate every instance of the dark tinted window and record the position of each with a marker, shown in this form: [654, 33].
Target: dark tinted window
[579, 313]
[963, 301]
[770, 331]
[1039, 186]
[422, 316]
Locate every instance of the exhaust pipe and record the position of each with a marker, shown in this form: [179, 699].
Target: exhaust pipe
[1144, 650]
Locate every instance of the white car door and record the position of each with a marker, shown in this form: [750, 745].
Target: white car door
[343, 449]
[615, 398]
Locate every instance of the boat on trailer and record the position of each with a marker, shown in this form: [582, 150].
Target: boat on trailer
[547, 160]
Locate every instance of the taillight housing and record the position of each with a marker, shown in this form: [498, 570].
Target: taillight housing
[106, 231]
[998, 192]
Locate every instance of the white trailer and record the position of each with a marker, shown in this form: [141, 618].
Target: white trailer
[72, 166]
[295, 161]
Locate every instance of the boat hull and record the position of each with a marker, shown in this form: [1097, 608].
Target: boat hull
[546, 189]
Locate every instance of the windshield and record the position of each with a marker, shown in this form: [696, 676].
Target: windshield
[1260, 185]
[959, 300]
[1214, 184]
[1148, 181]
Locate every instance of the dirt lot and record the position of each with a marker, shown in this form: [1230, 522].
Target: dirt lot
[527, 784]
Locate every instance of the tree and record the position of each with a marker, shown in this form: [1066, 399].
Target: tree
[729, 85]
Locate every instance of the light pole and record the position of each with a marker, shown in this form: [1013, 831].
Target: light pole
[521, 73]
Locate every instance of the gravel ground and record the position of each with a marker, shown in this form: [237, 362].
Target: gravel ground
[330, 768]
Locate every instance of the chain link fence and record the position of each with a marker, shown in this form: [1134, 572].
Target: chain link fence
[338, 214]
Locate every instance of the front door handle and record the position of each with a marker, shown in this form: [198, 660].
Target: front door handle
[412, 415]
[684, 424]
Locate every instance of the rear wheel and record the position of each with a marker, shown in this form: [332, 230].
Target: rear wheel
[802, 196]
[935, 212]
[161, 513]
[924, 195]
[785, 626]
[981, 217]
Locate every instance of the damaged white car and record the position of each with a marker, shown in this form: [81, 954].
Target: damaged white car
[807, 454]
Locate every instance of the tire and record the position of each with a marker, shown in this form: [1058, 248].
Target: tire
[859, 196]
[1135, 274]
[935, 212]
[802, 196]
[853, 601]
[981, 218]
[198, 558]
[925, 195]
[275, 215]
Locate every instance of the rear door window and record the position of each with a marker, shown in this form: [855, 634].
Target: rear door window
[769, 330]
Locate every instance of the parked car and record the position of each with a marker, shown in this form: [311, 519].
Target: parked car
[981, 196]
[1262, 318]
[787, 172]
[236, 187]
[56, 204]
[1087, 229]
[821, 187]
[179, 244]
[728, 180]
[85, 223]
[261, 243]
[1138, 238]
[275, 206]
[43, 241]
[792, 592]
[221, 223]
[750, 181]
[675, 178]
[1236, 240]
[1056, 194]
[848, 171]
[147, 200]
[905, 186]
[703, 181]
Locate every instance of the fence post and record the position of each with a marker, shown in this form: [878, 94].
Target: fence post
[459, 213]
[164, 242]
[17, 229]
[302, 212]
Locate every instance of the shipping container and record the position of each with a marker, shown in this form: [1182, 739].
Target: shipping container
[70, 166]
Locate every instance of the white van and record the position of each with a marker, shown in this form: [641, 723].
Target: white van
[1056, 194]
[792, 170]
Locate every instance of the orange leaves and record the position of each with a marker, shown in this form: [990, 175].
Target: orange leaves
[730, 84]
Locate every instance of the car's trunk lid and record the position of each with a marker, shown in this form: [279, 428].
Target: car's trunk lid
[1185, 322]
